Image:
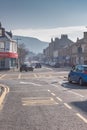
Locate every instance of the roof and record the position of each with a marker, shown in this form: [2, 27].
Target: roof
[6, 38]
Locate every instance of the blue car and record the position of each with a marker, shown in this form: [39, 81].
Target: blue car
[78, 74]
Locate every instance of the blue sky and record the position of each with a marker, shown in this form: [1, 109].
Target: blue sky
[35, 17]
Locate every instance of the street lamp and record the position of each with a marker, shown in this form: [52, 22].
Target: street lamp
[17, 39]
[79, 51]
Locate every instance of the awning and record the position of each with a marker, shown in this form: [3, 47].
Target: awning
[8, 55]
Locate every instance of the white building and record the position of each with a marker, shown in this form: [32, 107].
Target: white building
[8, 50]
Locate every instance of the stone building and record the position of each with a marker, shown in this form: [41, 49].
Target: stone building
[75, 53]
[55, 46]
[79, 50]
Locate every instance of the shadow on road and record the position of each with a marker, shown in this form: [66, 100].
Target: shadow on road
[73, 86]
[82, 105]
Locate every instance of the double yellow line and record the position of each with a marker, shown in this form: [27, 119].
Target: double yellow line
[2, 76]
[4, 92]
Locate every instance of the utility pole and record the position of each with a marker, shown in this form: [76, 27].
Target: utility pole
[17, 39]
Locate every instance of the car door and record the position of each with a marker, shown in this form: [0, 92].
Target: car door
[77, 73]
[73, 73]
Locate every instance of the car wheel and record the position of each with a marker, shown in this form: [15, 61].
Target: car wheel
[80, 82]
[69, 79]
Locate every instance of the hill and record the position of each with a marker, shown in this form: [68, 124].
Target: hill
[32, 44]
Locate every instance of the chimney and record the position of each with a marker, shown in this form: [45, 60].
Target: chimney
[51, 40]
[3, 31]
[63, 36]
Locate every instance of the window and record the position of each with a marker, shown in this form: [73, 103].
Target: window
[2, 46]
[2, 62]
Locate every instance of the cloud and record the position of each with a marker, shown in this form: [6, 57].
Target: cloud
[46, 34]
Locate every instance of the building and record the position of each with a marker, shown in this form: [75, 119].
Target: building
[8, 50]
[75, 53]
[53, 50]
[79, 50]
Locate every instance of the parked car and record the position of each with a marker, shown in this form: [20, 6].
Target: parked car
[26, 67]
[57, 65]
[78, 74]
[38, 65]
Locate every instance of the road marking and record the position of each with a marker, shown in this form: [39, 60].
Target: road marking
[5, 91]
[47, 68]
[76, 93]
[53, 94]
[67, 106]
[29, 101]
[81, 117]
[19, 76]
[3, 76]
[54, 85]
[35, 75]
[59, 99]
[30, 83]
[49, 91]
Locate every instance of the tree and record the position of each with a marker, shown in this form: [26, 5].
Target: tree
[22, 53]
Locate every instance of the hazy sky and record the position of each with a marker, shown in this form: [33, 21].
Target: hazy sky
[44, 18]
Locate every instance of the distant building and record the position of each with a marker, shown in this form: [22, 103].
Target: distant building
[75, 53]
[53, 50]
[79, 50]
[8, 50]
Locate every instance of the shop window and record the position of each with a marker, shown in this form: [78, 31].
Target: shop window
[13, 62]
[2, 63]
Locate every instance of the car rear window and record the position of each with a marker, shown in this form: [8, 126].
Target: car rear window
[85, 68]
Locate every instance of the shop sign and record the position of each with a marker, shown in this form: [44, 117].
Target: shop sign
[8, 55]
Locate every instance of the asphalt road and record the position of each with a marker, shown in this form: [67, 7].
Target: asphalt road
[42, 100]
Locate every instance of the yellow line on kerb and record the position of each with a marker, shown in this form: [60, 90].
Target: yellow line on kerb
[3, 76]
[5, 91]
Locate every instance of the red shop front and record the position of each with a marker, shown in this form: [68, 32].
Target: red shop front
[8, 60]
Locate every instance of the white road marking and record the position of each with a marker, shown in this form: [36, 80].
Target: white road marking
[35, 75]
[19, 76]
[61, 82]
[53, 94]
[54, 85]
[30, 83]
[67, 106]
[47, 68]
[76, 93]
[49, 91]
[81, 117]
[59, 99]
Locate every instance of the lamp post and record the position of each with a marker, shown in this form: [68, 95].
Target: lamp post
[79, 51]
[17, 39]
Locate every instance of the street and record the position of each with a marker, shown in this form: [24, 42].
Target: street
[42, 100]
